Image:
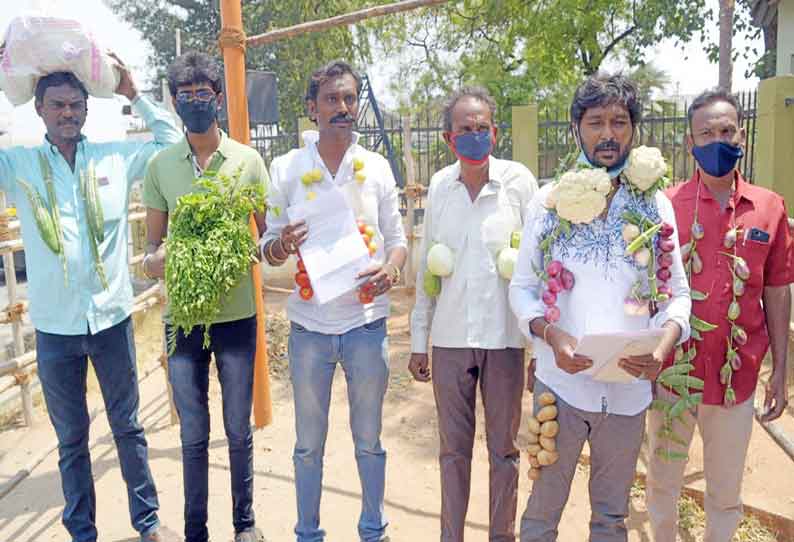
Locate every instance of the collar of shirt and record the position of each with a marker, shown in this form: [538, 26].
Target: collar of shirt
[312, 137]
[740, 191]
[496, 170]
[187, 151]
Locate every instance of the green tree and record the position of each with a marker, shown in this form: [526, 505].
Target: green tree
[292, 60]
[534, 50]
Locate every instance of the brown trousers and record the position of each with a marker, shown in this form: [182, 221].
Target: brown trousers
[726, 438]
[500, 373]
[614, 442]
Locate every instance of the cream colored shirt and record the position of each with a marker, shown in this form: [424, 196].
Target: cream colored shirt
[375, 201]
[472, 310]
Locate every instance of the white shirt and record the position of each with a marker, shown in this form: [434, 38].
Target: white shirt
[603, 278]
[374, 200]
[472, 310]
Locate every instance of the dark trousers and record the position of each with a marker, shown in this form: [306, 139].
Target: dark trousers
[63, 366]
[234, 346]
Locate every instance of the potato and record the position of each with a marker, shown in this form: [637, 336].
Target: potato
[533, 474]
[534, 449]
[547, 443]
[550, 429]
[546, 398]
[534, 425]
[547, 413]
[533, 460]
[532, 438]
[546, 457]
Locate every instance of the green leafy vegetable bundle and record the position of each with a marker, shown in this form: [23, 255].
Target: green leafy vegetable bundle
[210, 249]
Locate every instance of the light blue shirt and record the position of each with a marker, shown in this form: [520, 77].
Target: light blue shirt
[82, 305]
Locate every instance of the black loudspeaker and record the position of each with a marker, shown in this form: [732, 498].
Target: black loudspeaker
[262, 91]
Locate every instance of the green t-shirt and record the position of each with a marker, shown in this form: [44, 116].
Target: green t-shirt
[170, 175]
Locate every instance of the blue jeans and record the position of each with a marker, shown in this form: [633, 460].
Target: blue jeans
[363, 353]
[63, 366]
[234, 346]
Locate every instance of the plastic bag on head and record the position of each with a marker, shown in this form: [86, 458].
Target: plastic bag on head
[46, 40]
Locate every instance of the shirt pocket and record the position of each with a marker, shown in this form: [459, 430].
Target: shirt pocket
[111, 189]
[755, 254]
[449, 224]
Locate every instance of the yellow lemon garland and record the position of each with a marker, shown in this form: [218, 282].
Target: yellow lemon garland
[316, 175]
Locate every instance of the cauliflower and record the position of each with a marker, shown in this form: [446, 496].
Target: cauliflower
[646, 165]
[580, 195]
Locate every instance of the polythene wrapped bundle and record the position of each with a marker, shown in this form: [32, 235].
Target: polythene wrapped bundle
[37, 45]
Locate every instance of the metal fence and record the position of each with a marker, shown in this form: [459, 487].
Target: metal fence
[664, 124]
[429, 150]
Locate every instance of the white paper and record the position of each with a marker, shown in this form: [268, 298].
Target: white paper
[607, 349]
[333, 252]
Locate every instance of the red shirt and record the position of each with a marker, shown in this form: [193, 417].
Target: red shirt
[771, 263]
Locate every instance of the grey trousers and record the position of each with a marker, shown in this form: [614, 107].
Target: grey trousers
[614, 447]
[500, 373]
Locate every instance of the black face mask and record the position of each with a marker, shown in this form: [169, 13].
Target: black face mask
[197, 116]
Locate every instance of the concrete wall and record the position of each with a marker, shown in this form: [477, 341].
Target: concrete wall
[785, 37]
[525, 136]
[774, 160]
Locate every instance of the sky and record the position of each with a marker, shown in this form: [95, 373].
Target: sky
[689, 70]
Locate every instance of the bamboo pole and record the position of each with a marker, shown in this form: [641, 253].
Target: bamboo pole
[232, 41]
[339, 20]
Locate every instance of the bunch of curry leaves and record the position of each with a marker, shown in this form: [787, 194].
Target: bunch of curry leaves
[210, 249]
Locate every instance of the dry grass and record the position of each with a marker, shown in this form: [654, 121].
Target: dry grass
[692, 524]
[277, 327]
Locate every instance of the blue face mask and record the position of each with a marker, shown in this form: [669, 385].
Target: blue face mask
[197, 116]
[613, 171]
[717, 158]
[473, 147]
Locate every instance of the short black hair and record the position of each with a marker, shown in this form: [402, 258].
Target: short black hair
[603, 89]
[478, 93]
[57, 79]
[335, 68]
[711, 96]
[195, 67]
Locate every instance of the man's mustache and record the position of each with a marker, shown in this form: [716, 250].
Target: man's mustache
[342, 118]
[610, 145]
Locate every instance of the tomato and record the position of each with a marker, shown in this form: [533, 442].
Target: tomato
[362, 226]
[306, 293]
[365, 297]
[302, 280]
[301, 267]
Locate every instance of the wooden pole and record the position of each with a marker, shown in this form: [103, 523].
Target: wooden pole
[410, 201]
[232, 41]
[339, 20]
[26, 389]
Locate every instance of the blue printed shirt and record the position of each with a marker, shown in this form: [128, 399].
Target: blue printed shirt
[82, 305]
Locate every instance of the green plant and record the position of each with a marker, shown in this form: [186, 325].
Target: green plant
[210, 249]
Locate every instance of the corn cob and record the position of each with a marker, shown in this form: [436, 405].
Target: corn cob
[46, 173]
[92, 240]
[43, 218]
[96, 219]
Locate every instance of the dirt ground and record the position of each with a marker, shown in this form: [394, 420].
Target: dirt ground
[31, 512]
